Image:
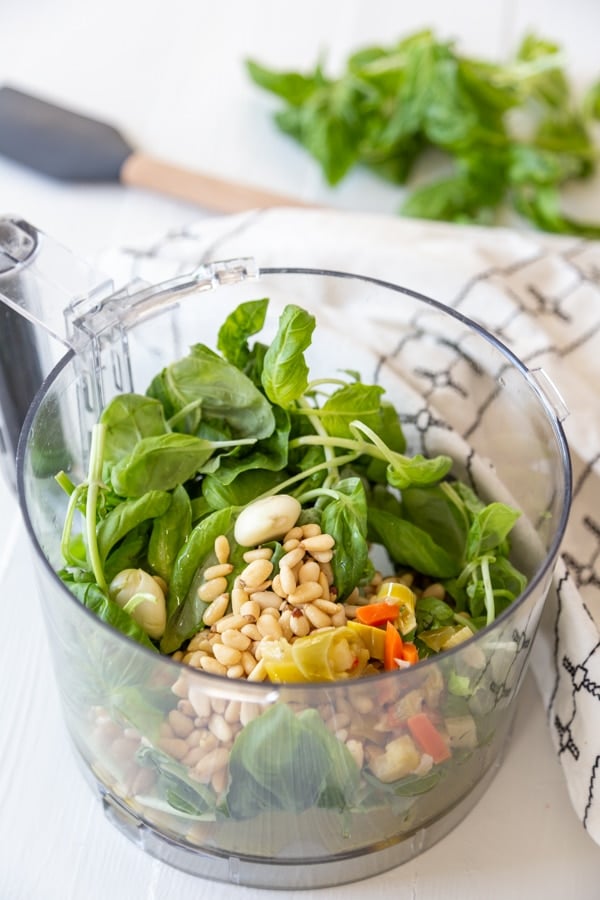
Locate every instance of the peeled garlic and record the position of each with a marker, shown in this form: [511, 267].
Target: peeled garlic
[140, 595]
[266, 520]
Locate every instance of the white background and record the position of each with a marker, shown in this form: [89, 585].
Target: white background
[171, 76]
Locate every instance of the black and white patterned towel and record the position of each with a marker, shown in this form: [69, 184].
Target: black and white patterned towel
[539, 295]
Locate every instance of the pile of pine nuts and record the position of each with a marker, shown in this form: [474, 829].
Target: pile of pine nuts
[295, 601]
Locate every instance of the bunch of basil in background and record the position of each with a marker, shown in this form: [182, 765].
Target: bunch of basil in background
[513, 132]
[170, 471]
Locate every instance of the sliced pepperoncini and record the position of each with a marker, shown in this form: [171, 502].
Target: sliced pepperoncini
[330, 654]
[405, 599]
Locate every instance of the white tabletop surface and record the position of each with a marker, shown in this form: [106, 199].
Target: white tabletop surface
[170, 75]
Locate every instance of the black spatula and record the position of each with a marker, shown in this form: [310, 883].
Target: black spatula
[72, 147]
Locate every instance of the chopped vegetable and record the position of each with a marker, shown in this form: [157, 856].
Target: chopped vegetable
[377, 613]
[428, 737]
[393, 648]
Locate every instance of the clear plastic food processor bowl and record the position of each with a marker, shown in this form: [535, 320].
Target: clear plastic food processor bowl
[140, 722]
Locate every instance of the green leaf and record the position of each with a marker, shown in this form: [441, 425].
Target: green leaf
[184, 608]
[345, 519]
[169, 533]
[285, 372]
[293, 87]
[127, 516]
[246, 320]
[129, 418]
[406, 471]
[410, 546]
[204, 386]
[160, 463]
[490, 528]
[439, 511]
[289, 762]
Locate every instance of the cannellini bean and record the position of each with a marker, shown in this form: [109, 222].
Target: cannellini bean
[266, 520]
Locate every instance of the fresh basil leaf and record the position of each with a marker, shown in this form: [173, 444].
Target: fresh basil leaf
[184, 608]
[239, 491]
[293, 87]
[169, 533]
[270, 453]
[438, 510]
[246, 320]
[127, 516]
[410, 546]
[129, 418]
[406, 471]
[285, 372]
[430, 612]
[490, 528]
[160, 463]
[345, 519]
[203, 385]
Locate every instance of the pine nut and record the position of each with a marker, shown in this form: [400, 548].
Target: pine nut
[311, 530]
[251, 631]
[182, 726]
[229, 656]
[218, 705]
[222, 549]
[211, 762]
[291, 558]
[198, 642]
[193, 756]
[294, 534]
[200, 701]
[230, 621]
[260, 553]
[238, 597]
[305, 593]
[175, 747]
[219, 780]
[316, 617]
[212, 666]
[248, 712]
[266, 599]
[277, 587]
[220, 728]
[299, 624]
[290, 544]
[287, 579]
[309, 571]
[328, 606]
[269, 627]
[338, 620]
[248, 661]
[180, 688]
[322, 579]
[435, 590]
[322, 556]
[193, 659]
[232, 712]
[211, 589]
[319, 543]
[236, 671]
[217, 609]
[256, 572]
[327, 572]
[234, 638]
[218, 571]
[250, 609]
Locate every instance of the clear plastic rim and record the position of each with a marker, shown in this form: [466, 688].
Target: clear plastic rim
[264, 689]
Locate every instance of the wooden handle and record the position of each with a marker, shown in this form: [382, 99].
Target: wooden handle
[211, 193]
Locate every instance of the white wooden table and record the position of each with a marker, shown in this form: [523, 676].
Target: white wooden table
[171, 76]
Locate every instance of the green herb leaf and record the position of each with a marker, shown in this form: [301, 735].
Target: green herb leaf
[285, 372]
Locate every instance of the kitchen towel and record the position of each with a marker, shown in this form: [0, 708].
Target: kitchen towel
[539, 295]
